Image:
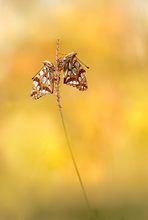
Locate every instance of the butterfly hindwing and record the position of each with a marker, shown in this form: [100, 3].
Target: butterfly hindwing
[43, 81]
[74, 74]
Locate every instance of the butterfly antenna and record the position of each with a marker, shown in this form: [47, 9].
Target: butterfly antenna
[83, 63]
[63, 54]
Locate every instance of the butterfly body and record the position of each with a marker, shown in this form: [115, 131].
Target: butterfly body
[43, 81]
[74, 72]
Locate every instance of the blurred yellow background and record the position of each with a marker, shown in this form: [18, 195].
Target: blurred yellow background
[107, 124]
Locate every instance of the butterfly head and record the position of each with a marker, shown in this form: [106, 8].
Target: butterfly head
[49, 64]
[70, 56]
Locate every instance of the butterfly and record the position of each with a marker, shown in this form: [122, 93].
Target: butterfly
[74, 74]
[43, 81]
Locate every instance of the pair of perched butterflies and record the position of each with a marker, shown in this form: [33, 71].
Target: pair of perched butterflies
[74, 75]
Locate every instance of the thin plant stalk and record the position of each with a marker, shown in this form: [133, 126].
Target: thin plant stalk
[65, 130]
[58, 76]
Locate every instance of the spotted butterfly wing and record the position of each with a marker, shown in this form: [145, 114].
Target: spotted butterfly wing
[43, 81]
[74, 72]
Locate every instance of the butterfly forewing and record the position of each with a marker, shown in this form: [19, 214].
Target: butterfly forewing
[43, 81]
[74, 74]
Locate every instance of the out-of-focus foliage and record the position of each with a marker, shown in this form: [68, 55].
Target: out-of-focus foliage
[107, 124]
